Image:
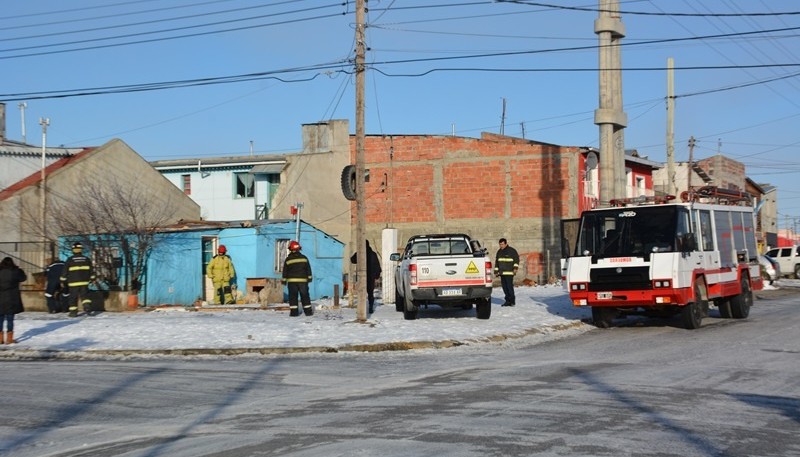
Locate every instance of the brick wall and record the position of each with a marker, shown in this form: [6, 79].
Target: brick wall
[489, 188]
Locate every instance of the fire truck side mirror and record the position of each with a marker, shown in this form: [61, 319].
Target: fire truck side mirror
[686, 242]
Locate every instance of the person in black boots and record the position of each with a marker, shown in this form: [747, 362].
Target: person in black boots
[373, 273]
[297, 275]
[77, 275]
[56, 296]
[506, 265]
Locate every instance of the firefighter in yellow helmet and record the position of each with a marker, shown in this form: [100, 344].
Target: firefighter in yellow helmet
[297, 275]
[220, 270]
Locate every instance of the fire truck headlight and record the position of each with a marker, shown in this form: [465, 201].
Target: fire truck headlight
[579, 302]
[578, 286]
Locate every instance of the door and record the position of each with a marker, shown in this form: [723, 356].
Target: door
[209, 248]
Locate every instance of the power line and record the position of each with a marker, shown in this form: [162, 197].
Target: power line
[645, 13]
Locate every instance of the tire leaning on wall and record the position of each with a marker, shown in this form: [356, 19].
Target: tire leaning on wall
[349, 182]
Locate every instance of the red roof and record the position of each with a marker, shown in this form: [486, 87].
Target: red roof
[34, 178]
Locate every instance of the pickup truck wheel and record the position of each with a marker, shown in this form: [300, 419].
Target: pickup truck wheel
[398, 301]
[410, 309]
[797, 271]
[484, 308]
[740, 304]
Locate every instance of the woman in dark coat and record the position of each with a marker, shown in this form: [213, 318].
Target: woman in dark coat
[10, 297]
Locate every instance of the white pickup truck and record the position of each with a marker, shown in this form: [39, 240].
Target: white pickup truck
[447, 270]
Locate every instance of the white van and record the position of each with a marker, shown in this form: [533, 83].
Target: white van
[789, 260]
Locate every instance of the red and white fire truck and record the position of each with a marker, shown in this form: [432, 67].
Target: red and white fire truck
[655, 256]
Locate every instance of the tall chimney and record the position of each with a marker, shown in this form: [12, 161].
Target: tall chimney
[2, 123]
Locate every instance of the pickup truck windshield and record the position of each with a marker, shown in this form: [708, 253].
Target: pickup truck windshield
[437, 247]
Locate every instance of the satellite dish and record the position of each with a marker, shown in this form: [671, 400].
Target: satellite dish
[591, 161]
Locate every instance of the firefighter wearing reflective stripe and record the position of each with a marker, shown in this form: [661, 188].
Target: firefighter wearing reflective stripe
[78, 273]
[297, 275]
[506, 265]
[220, 270]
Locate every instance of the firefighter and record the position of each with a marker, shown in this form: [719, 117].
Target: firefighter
[56, 296]
[221, 272]
[297, 275]
[78, 273]
[506, 265]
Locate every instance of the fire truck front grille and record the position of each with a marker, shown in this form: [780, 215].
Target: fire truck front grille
[629, 278]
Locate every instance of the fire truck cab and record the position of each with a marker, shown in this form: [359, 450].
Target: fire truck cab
[657, 257]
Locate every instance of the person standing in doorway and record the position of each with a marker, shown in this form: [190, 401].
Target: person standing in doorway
[53, 291]
[221, 272]
[506, 265]
[373, 273]
[297, 276]
[78, 273]
[10, 297]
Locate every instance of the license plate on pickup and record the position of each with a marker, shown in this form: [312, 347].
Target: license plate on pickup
[451, 291]
[604, 296]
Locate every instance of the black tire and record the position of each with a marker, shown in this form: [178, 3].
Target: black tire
[410, 309]
[602, 317]
[724, 308]
[398, 301]
[797, 271]
[692, 314]
[483, 308]
[349, 182]
[740, 304]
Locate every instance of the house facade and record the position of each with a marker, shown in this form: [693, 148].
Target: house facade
[176, 267]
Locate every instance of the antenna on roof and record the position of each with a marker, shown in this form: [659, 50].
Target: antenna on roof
[22, 106]
[251, 148]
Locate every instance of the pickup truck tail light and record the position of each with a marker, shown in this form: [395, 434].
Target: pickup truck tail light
[488, 270]
[412, 269]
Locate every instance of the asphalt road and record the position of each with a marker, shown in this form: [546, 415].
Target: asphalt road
[644, 388]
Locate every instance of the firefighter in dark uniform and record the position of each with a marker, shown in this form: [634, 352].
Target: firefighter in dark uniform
[297, 275]
[55, 294]
[78, 274]
[506, 265]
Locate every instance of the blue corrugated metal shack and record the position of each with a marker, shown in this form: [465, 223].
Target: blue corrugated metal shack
[176, 268]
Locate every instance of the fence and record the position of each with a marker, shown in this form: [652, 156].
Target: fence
[32, 256]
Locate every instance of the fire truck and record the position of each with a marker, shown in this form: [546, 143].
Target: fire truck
[655, 256]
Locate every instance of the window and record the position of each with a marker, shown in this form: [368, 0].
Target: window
[244, 185]
[281, 251]
[187, 184]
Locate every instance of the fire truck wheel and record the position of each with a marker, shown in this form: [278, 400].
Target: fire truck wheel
[724, 308]
[602, 317]
[693, 312]
[483, 308]
[740, 304]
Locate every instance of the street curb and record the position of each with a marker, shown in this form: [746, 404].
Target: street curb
[100, 354]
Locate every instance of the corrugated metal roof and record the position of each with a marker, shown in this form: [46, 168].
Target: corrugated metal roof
[218, 162]
[267, 169]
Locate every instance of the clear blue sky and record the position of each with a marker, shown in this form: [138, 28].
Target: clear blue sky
[436, 66]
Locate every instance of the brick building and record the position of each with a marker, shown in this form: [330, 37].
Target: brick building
[492, 187]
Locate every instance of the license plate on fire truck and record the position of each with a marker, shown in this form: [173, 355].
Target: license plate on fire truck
[604, 296]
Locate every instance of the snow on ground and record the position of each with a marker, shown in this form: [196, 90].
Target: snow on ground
[541, 310]
[543, 307]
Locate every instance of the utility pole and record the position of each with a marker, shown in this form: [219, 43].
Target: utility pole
[609, 116]
[503, 118]
[44, 122]
[670, 127]
[361, 220]
[691, 168]
[22, 106]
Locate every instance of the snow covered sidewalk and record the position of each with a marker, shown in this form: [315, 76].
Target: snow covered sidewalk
[182, 331]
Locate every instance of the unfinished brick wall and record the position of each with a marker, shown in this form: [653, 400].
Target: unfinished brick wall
[489, 188]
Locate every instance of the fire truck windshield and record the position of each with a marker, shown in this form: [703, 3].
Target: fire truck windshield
[631, 231]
